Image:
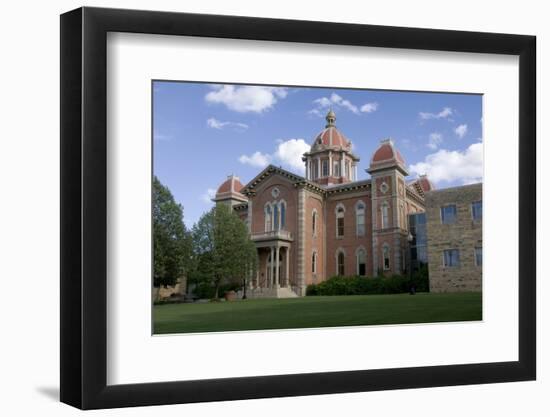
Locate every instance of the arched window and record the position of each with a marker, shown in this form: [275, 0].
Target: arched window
[314, 262]
[361, 255]
[267, 217]
[340, 210]
[340, 261]
[360, 218]
[314, 222]
[282, 205]
[384, 209]
[275, 216]
[386, 254]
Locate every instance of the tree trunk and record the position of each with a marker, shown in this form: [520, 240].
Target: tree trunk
[216, 295]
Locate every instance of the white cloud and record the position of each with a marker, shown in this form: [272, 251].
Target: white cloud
[435, 140]
[323, 102]
[461, 130]
[369, 107]
[451, 166]
[208, 195]
[443, 114]
[216, 124]
[161, 137]
[288, 154]
[257, 159]
[248, 98]
[335, 100]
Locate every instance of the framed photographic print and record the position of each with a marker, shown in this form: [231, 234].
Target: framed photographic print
[291, 208]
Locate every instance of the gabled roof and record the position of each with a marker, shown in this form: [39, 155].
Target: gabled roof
[271, 170]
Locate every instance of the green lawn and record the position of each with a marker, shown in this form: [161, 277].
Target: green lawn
[316, 312]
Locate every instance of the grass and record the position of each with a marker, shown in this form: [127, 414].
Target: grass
[318, 311]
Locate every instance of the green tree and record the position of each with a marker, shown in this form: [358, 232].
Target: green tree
[223, 250]
[172, 243]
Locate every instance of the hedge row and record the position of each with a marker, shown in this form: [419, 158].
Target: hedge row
[357, 285]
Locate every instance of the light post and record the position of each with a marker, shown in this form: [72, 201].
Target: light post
[410, 239]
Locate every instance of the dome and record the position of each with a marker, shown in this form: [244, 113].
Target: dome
[230, 185]
[330, 136]
[387, 152]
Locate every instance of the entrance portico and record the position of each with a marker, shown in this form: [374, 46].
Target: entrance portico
[273, 275]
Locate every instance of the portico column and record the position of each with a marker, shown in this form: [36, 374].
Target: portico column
[287, 273]
[271, 269]
[307, 168]
[277, 267]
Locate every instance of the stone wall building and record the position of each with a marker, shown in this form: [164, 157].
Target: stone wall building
[454, 229]
[308, 229]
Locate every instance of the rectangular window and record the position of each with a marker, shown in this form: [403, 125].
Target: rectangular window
[448, 214]
[340, 231]
[325, 168]
[479, 256]
[336, 169]
[477, 211]
[451, 258]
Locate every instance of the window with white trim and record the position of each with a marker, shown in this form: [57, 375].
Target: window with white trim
[267, 217]
[386, 257]
[340, 211]
[314, 222]
[275, 216]
[385, 216]
[360, 218]
[325, 167]
[361, 262]
[314, 262]
[340, 259]
[282, 211]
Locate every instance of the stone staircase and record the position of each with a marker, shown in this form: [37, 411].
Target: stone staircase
[282, 292]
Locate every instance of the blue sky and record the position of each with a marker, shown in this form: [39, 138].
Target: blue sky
[204, 132]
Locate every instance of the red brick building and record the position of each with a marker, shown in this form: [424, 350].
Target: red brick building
[308, 229]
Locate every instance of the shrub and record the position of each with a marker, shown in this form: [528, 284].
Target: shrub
[206, 290]
[357, 285]
[421, 280]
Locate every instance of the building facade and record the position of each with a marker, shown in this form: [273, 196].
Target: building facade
[454, 219]
[308, 229]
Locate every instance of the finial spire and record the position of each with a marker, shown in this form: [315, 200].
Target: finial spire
[330, 118]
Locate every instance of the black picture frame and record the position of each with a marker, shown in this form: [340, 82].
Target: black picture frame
[84, 207]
